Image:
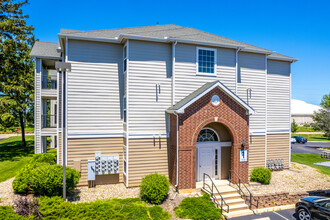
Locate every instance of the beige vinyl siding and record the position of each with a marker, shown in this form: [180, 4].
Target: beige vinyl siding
[149, 86]
[146, 156]
[186, 80]
[278, 147]
[278, 96]
[37, 107]
[94, 88]
[84, 149]
[253, 76]
[257, 151]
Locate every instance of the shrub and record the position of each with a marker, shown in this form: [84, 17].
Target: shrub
[198, 208]
[47, 180]
[261, 175]
[43, 177]
[7, 212]
[44, 158]
[154, 188]
[55, 208]
[28, 207]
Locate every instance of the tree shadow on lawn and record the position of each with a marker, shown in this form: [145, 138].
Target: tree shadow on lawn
[13, 150]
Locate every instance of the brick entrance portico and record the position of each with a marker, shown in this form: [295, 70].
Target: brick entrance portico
[200, 113]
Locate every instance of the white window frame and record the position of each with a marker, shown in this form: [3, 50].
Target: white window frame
[124, 109]
[215, 61]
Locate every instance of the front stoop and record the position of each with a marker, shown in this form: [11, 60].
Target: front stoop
[237, 206]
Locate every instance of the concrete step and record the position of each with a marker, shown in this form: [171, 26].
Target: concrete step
[218, 183]
[237, 207]
[225, 190]
[238, 213]
[228, 196]
[231, 202]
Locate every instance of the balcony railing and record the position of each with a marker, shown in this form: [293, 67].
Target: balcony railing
[49, 121]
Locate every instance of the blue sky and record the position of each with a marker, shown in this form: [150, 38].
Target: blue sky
[300, 29]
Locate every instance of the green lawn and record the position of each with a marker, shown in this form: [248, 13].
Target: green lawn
[13, 156]
[310, 159]
[313, 137]
[12, 130]
[304, 128]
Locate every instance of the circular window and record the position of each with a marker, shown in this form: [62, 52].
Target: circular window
[215, 100]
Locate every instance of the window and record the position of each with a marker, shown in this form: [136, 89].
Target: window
[125, 58]
[207, 134]
[124, 159]
[206, 61]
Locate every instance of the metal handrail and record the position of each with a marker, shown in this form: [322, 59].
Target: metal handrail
[210, 191]
[241, 191]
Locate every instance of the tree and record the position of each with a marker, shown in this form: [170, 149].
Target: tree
[294, 126]
[322, 117]
[325, 102]
[16, 67]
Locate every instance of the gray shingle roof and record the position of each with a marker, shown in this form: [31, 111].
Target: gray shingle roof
[169, 31]
[45, 50]
[199, 91]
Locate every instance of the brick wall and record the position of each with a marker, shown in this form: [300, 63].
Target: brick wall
[197, 116]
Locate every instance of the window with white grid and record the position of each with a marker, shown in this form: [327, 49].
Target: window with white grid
[206, 61]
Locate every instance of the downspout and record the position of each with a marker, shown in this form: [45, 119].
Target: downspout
[177, 151]
[236, 81]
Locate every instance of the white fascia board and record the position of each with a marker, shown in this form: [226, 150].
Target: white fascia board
[243, 49]
[250, 110]
[283, 59]
[109, 40]
[203, 43]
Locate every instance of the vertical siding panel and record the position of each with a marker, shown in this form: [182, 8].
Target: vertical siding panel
[37, 106]
[147, 156]
[278, 92]
[94, 88]
[252, 70]
[256, 151]
[84, 149]
[185, 70]
[150, 87]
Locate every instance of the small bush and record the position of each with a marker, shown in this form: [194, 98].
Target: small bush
[47, 180]
[43, 177]
[44, 158]
[198, 208]
[28, 207]
[261, 175]
[7, 212]
[154, 188]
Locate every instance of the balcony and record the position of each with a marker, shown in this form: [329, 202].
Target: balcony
[48, 124]
[49, 87]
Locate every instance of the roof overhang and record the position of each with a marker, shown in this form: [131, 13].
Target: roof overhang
[123, 37]
[181, 109]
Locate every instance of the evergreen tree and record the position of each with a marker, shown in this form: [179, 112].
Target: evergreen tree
[16, 67]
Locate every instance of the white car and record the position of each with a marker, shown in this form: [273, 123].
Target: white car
[293, 140]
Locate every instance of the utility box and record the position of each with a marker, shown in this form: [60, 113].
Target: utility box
[91, 170]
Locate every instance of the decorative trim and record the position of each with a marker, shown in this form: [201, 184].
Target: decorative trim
[226, 90]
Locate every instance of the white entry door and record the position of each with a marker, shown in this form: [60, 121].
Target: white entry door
[205, 162]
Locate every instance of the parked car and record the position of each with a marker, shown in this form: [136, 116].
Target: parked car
[293, 140]
[313, 207]
[300, 139]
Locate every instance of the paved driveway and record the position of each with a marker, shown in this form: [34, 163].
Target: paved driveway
[309, 147]
[288, 214]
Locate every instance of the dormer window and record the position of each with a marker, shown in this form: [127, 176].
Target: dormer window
[206, 61]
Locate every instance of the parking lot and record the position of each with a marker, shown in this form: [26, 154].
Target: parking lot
[309, 147]
[288, 214]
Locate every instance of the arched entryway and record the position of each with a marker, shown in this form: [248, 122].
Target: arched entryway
[213, 152]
